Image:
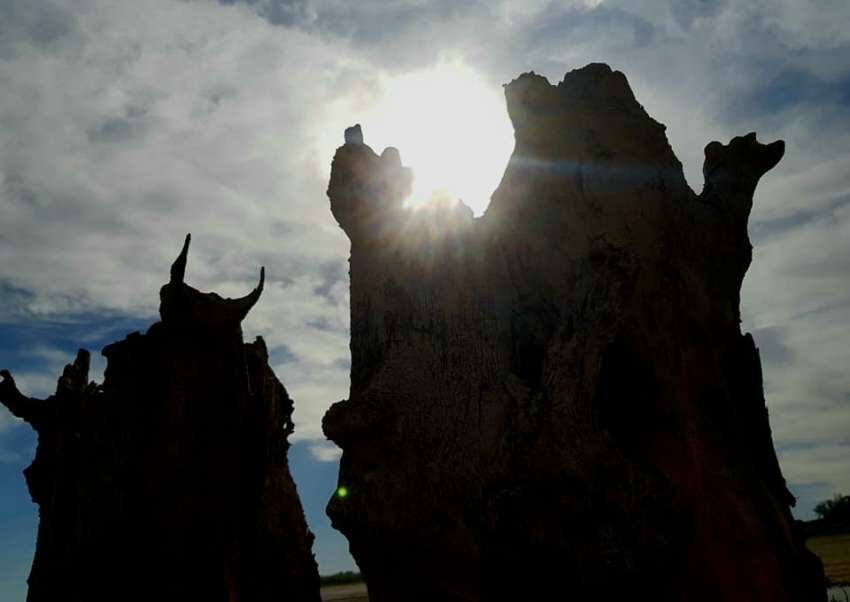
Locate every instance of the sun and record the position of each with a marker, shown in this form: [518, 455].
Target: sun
[450, 125]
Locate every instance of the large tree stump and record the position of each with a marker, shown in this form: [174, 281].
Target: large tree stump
[169, 481]
[558, 396]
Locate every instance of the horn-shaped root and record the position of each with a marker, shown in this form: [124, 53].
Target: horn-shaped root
[239, 308]
[19, 404]
[178, 268]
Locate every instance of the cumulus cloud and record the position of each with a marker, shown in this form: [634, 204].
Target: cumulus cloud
[125, 125]
[6, 421]
[145, 122]
[326, 452]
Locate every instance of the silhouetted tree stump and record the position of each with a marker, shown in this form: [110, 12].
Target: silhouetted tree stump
[170, 481]
[557, 396]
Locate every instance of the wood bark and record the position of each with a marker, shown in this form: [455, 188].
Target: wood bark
[557, 396]
[170, 480]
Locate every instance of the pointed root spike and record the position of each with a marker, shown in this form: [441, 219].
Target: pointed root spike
[178, 268]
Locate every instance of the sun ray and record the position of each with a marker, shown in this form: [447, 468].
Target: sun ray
[451, 127]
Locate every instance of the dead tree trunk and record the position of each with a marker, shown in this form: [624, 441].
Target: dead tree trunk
[169, 481]
[558, 395]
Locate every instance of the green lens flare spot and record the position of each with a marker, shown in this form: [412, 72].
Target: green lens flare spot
[342, 492]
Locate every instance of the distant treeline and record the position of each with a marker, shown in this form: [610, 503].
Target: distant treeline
[833, 518]
[818, 527]
[341, 578]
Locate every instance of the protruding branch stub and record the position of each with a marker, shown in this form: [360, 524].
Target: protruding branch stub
[366, 190]
[75, 376]
[8, 387]
[354, 134]
[178, 268]
[241, 307]
[34, 411]
[185, 305]
[18, 404]
[737, 167]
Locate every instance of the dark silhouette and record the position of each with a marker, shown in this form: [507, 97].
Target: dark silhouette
[557, 397]
[169, 481]
[836, 510]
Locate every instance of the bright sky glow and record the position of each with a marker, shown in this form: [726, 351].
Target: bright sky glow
[451, 126]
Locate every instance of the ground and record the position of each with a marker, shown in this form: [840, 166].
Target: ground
[834, 551]
[352, 592]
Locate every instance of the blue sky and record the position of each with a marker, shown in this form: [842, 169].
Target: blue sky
[126, 124]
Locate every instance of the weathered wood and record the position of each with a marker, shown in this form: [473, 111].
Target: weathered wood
[170, 480]
[558, 396]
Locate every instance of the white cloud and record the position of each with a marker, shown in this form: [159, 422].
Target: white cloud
[7, 421]
[314, 388]
[822, 463]
[213, 131]
[39, 383]
[159, 118]
[327, 452]
[128, 124]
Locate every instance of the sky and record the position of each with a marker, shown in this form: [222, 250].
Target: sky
[125, 124]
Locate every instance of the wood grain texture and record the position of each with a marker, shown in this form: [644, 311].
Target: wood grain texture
[559, 392]
[170, 480]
